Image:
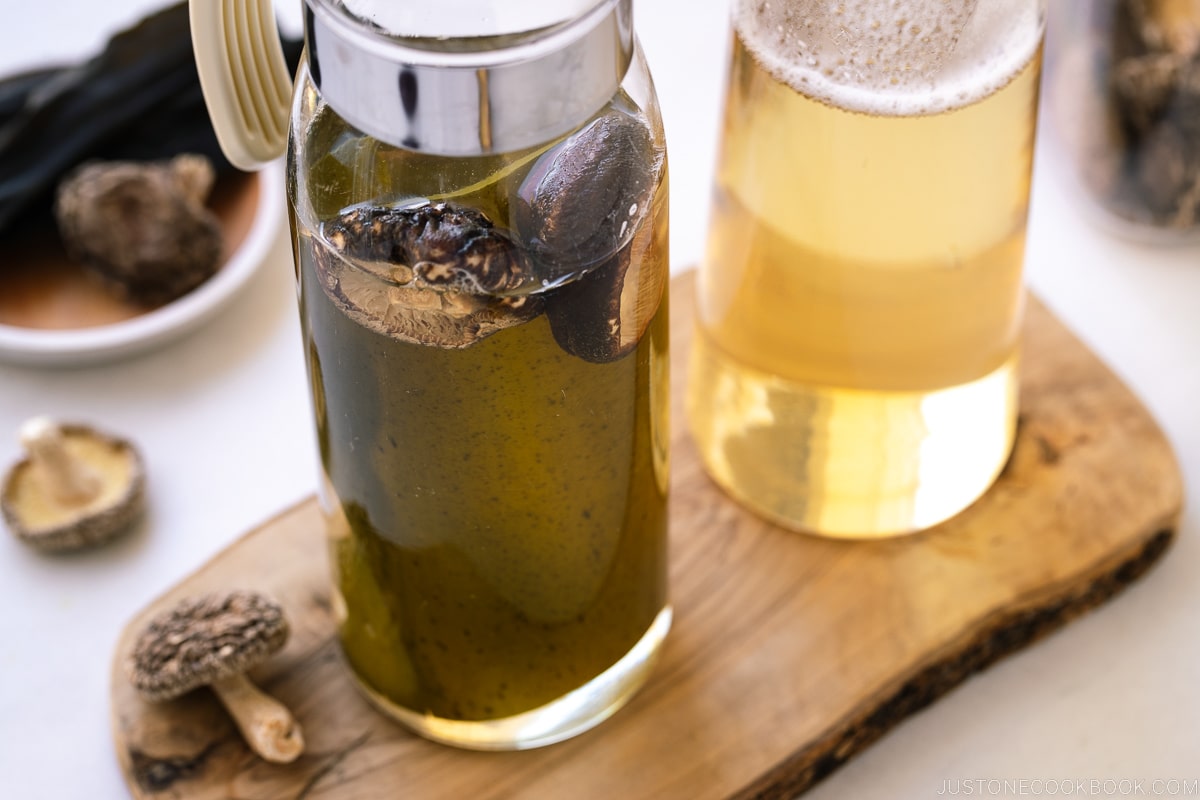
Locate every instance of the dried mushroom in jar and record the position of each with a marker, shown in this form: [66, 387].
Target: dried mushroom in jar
[434, 274]
[601, 317]
[583, 199]
[1126, 98]
[584, 214]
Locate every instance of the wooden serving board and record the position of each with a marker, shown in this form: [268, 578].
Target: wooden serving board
[789, 655]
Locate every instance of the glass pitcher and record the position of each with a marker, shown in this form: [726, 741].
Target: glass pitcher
[854, 369]
[479, 208]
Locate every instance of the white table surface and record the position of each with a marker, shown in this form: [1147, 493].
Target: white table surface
[223, 417]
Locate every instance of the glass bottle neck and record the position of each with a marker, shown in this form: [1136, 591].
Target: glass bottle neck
[468, 95]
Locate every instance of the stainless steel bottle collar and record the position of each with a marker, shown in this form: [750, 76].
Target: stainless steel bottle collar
[468, 103]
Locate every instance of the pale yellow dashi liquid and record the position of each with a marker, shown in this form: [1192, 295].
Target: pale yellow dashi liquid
[854, 366]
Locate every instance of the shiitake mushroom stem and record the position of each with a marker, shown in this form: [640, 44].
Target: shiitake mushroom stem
[212, 641]
[76, 487]
[268, 727]
[67, 479]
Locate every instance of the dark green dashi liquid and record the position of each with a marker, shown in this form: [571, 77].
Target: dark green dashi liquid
[498, 521]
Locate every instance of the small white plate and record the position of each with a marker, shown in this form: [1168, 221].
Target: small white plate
[101, 343]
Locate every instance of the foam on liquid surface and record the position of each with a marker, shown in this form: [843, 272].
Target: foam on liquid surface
[892, 57]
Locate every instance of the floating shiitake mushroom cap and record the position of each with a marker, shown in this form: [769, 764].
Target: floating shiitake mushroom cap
[434, 274]
[213, 641]
[77, 487]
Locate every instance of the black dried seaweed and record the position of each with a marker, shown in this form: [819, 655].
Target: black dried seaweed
[15, 90]
[138, 99]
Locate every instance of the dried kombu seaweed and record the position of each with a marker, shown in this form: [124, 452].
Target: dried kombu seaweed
[138, 99]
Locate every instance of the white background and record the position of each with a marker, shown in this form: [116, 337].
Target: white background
[223, 420]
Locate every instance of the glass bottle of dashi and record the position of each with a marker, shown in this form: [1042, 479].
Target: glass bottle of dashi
[479, 209]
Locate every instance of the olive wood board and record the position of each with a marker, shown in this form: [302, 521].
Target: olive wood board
[789, 654]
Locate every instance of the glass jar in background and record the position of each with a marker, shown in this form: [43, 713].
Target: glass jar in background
[479, 209]
[1123, 100]
[854, 372]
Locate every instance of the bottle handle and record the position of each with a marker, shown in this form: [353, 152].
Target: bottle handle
[244, 78]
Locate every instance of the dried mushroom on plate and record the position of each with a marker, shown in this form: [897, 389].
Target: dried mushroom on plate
[213, 641]
[142, 227]
[76, 488]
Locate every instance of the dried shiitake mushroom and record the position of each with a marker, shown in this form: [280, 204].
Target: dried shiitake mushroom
[582, 199]
[1126, 99]
[142, 227]
[442, 244]
[425, 274]
[76, 488]
[601, 316]
[583, 211]
[213, 641]
[1170, 25]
